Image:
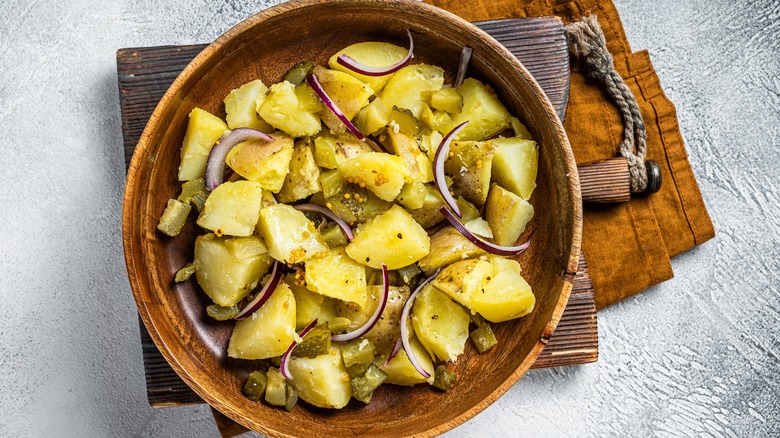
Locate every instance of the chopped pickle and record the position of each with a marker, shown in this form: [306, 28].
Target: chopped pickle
[276, 390]
[357, 370]
[184, 273]
[222, 313]
[276, 361]
[468, 211]
[363, 387]
[338, 324]
[297, 73]
[443, 378]
[333, 236]
[316, 342]
[292, 398]
[174, 217]
[254, 388]
[405, 120]
[357, 351]
[409, 273]
[483, 338]
[194, 192]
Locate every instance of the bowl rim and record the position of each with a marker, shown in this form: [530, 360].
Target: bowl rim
[129, 223]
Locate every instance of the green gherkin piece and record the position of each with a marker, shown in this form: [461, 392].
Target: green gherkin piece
[483, 338]
[221, 313]
[255, 385]
[194, 192]
[297, 73]
[357, 370]
[184, 273]
[333, 236]
[409, 273]
[174, 217]
[443, 378]
[315, 343]
[292, 398]
[338, 324]
[276, 391]
[363, 387]
[357, 351]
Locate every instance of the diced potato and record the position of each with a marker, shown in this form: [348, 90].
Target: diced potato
[386, 331]
[441, 325]
[382, 173]
[302, 180]
[289, 108]
[307, 304]
[437, 120]
[322, 380]
[430, 144]
[428, 215]
[468, 210]
[228, 269]
[406, 87]
[336, 275]
[401, 372]
[480, 227]
[290, 236]
[515, 164]
[462, 280]
[241, 104]
[347, 93]
[506, 295]
[373, 54]
[447, 99]
[267, 199]
[269, 331]
[486, 115]
[373, 117]
[203, 130]
[425, 166]
[392, 238]
[232, 208]
[507, 214]
[469, 164]
[520, 130]
[412, 195]
[332, 150]
[174, 217]
[263, 162]
[448, 246]
[405, 147]
[361, 205]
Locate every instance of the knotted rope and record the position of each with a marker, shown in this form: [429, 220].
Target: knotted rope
[587, 43]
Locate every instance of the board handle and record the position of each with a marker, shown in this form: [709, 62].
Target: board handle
[608, 181]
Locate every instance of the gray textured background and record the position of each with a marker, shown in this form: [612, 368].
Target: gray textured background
[697, 355]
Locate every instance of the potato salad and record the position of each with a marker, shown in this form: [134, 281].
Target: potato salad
[361, 222]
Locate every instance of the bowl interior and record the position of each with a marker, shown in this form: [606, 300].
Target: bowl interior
[264, 47]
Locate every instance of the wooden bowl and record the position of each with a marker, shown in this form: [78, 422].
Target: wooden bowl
[265, 46]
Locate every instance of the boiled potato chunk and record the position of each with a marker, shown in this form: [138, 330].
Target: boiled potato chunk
[383, 174]
[347, 93]
[507, 215]
[386, 331]
[291, 109]
[405, 147]
[240, 106]
[448, 246]
[412, 195]
[307, 304]
[321, 380]
[373, 117]
[263, 162]
[521, 131]
[447, 99]
[441, 325]
[290, 236]
[462, 280]
[269, 331]
[203, 130]
[232, 208]
[408, 86]
[331, 150]
[336, 275]
[302, 180]
[429, 215]
[400, 370]
[373, 54]
[515, 164]
[392, 238]
[469, 164]
[227, 269]
[505, 296]
[486, 115]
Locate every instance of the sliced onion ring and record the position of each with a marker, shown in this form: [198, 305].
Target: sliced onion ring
[215, 168]
[438, 168]
[405, 330]
[396, 348]
[367, 70]
[465, 57]
[314, 83]
[365, 328]
[284, 366]
[476, 240]
[330, 215]
[268, 288]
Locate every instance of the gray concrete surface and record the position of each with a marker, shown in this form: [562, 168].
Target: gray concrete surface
[696, 356]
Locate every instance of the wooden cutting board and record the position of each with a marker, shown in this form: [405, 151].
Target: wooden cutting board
[144, 74]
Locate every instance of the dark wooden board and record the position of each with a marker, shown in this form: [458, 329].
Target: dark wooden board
[145, 74]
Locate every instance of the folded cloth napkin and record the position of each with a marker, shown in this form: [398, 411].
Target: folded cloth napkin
[627, 245]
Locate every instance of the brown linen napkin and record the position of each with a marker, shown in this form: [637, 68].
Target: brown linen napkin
[627, 245]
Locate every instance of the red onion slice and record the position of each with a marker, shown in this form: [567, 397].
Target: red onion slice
[476, 240]
[330, 215]
[396, 348]
[367, 70]
[365, 328]
[314, 83]
[438, 168]
[465, 57]
[264, 294]
[405, 330]
[284, 366]
[215, 168]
